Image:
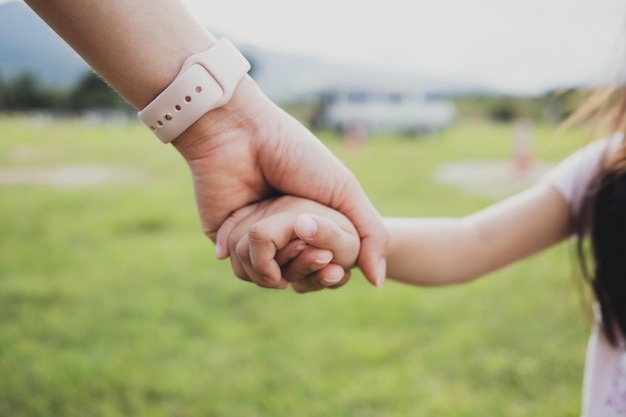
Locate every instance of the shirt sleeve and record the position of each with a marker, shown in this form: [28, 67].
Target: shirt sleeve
[572, 176]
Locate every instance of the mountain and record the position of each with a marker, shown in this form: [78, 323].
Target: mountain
[287, 76]
[27, 43]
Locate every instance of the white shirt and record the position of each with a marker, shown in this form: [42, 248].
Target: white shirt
[604, 384]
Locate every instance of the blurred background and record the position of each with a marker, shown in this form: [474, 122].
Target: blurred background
[505, 58]
[111, 301]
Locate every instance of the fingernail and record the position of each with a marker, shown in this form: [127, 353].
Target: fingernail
[308, 226]
[382, 273]
[219, 251]
[325, 260]
[332, 280]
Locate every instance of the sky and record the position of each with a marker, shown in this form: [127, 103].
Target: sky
[513, 46]
[517, 46]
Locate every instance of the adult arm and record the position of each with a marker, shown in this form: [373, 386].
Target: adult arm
[240, 153]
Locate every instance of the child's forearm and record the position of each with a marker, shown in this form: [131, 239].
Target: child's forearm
[446, 251]
[427, 251]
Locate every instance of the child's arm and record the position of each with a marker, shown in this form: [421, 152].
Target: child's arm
[445, 251]
[422, 251]
[439, 251]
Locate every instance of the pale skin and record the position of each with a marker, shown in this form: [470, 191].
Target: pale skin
[241, 153]
[422, 251]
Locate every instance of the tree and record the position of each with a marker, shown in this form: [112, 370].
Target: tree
[25, 92]
[92, 92]
[2, 93]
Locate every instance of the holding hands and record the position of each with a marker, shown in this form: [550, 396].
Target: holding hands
[292, 240]
[244, 152]
[250, 150]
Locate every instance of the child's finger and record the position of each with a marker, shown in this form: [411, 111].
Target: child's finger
[306, 285]
[289, 252]
[331, 276]
[310, 260]
[324, 233]
[238, 269]
[343, 281]
[264, 239]
[267, 276]
[222, 240]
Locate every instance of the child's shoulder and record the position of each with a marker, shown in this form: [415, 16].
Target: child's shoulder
[572, 176]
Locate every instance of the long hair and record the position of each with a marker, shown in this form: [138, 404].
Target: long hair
[602, 218]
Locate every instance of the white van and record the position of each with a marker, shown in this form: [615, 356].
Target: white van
[383, 111]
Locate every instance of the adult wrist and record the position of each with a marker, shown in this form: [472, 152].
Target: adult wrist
[163, 73]
[206, 81]
[247, 104]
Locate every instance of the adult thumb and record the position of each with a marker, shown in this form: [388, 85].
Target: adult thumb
[374, 238]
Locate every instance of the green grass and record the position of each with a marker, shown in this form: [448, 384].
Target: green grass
[112, 304]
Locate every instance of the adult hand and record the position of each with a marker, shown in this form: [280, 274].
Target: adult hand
[249, 150]
[240, 153]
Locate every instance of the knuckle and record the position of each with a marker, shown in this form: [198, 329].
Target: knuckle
[325, 240]
[209, 232]
[242, 249]
[301, 288]
[240, 272]
[242, 276]
[258, 235]
[265, 282]
[298, 273]
[329, 235]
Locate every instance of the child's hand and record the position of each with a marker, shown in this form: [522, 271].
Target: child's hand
[305, 237]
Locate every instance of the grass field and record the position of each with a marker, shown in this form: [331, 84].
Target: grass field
[112, 304]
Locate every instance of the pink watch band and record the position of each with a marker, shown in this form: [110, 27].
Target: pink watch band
[206, 81]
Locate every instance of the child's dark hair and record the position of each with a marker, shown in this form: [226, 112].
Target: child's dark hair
[602, 219]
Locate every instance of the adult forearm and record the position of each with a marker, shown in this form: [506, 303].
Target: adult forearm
[242, 152]
[137, 46]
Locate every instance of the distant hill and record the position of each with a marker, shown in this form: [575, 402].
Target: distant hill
[284, 77]
[27, 43]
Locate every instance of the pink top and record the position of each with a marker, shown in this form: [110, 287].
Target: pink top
[604, 384]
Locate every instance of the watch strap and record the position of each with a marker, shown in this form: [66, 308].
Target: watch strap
[206, 81]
